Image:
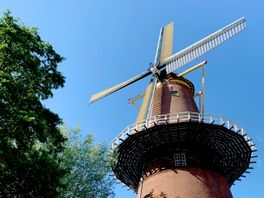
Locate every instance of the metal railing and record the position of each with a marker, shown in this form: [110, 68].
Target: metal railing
[179, 118]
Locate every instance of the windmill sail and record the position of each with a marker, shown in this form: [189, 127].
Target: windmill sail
[164, 50]
[113, 89]
[192, 52]
[144, 109]
[167, 41]
[164, 58]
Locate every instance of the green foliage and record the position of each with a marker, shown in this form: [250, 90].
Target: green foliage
[113, 157]
[29, 137]
[88, 165]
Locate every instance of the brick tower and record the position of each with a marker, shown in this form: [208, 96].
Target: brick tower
[179, 152]
[173, 150]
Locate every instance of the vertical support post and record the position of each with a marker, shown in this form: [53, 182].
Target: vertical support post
[200, 101]
[202, 96]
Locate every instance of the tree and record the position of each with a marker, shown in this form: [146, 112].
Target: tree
[88, 165]
[30, 140]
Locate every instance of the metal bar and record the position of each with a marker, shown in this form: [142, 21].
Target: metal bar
[203, 81]
[135, 98]
[135, 105]
[159, 45]
[193, 68]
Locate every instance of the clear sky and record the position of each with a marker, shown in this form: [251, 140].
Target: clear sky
[107, 42]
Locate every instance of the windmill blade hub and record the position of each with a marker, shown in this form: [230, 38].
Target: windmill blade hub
[154, 70]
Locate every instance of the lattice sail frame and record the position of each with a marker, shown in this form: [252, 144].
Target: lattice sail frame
[199, 48]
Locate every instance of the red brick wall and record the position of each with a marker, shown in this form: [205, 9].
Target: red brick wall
[185, 183]
[164, 102]
[180, 182]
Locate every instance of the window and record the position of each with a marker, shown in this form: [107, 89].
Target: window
[148, 195]
[173, 92]
[179, 159]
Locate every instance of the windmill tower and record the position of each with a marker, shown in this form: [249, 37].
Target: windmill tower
[173, 149]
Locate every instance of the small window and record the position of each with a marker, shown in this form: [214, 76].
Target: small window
[179, 159]
[173, 92]
[148, 196]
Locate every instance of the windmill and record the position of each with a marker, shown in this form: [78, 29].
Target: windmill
[173, 149]
[165, 59]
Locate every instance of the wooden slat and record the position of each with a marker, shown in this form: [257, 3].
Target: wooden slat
[167, 41]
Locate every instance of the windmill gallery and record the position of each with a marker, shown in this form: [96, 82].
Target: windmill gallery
[175, 149]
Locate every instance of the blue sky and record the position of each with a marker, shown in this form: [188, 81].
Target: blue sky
[107, 42]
